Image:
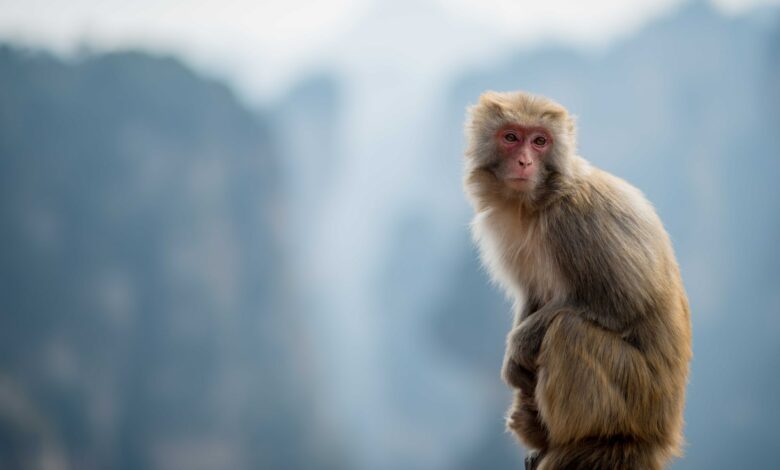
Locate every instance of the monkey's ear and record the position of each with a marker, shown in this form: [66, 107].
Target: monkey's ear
[556, 114]
[571, 124]
[490, 109]
[492, 100]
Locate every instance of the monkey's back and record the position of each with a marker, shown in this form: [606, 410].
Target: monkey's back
[620, 270]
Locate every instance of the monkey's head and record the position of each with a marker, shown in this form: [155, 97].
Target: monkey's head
[519, 145]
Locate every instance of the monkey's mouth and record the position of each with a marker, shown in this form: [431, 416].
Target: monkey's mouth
[518, 182]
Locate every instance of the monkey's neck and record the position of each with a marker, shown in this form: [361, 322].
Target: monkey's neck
[559, 185]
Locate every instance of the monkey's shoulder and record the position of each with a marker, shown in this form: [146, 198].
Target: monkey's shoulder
[605, 206]
[610, 246]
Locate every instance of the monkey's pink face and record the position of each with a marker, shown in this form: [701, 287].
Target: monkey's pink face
[522, 151]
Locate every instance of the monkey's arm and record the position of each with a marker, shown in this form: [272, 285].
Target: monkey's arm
[530, 306]
[525, 339]
[513, 373]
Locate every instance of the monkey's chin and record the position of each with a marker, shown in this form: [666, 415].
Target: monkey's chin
[519, 184]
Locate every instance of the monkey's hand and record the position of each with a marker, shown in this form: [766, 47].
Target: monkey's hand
[522, 348]
[518, 376]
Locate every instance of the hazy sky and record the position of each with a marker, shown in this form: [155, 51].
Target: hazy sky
[261, 45]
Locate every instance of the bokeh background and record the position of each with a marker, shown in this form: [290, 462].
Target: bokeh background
[232, 234]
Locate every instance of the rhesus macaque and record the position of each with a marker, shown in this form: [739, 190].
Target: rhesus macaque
[601, 341]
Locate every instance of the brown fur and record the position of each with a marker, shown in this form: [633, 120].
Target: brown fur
[600, 347]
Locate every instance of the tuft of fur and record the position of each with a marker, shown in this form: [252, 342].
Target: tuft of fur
[601, 342]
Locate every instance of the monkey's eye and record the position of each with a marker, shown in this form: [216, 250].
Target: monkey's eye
[540, 141]
[510, 137]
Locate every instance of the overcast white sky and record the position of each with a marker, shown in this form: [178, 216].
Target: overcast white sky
[262, 45]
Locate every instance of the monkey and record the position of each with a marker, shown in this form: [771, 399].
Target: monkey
[599, 350]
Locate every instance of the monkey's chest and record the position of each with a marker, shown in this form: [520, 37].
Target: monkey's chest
[521, 258]
[536, 272]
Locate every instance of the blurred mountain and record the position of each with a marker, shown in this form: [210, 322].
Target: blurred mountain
[687, 110]
[145, 316]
